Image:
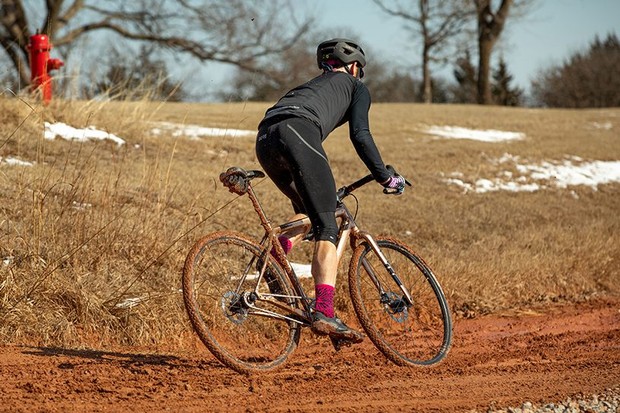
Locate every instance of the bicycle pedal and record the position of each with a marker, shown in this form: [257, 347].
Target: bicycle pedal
[338, 343]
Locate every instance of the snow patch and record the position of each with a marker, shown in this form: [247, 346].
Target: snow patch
[490, 135]
[535, 177]
[196, 131]
[602, 125]
[64, 131]
[14, 162]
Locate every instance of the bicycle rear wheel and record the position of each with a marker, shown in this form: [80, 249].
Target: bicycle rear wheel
[219, 284]
[416, 334]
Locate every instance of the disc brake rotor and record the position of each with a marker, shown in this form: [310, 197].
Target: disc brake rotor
[395, 306]
[233, 307]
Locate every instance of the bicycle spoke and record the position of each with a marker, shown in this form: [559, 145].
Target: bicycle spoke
[223, 303]
[408, 333]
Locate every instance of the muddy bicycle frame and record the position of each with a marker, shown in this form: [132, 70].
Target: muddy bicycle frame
[348, 233]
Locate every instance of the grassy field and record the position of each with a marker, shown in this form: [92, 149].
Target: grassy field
[91, 225]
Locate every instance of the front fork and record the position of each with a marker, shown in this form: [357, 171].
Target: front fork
[395, 304]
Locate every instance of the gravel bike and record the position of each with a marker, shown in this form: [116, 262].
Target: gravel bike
[250, 326]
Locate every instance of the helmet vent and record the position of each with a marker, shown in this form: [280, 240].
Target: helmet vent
[345, 50]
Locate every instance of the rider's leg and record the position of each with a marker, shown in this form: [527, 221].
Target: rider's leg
[324, 270]
[293, 156]
[324, 263]
[290, 238]
[324, 266]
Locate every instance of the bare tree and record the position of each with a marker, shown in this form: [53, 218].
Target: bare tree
[586, 79]
[292, 67]
[233, 31]
[490, 26]
[135, 79]
[437, 22]
[393, 86]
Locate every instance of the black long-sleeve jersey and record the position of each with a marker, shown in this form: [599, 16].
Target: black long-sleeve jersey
[329, 101]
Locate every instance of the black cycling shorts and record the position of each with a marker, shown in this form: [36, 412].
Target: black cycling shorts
[291, 153]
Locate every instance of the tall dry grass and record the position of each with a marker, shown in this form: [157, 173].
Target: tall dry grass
[93, 235]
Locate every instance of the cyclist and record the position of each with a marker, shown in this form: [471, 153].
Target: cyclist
[289, 148]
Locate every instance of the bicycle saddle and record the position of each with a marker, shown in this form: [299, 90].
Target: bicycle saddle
[237, 179]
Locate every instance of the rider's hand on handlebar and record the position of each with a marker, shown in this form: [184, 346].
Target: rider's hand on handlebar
[395, 185]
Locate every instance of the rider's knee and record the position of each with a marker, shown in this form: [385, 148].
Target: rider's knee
[325, 228]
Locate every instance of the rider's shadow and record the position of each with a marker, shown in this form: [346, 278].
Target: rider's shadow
[126, 360]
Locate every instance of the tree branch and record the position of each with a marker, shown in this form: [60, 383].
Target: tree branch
[14, 21]
[70, 13]
[50, 24]
[237, 32]
[18, 63]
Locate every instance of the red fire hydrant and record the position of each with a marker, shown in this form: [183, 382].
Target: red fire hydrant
[41, 65]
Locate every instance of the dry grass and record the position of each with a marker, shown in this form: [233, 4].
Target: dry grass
[92, 224]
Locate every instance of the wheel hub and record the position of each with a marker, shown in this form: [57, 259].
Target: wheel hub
[395, 306]
[236, 306]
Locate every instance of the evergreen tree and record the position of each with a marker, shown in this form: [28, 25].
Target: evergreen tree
[465, 74]
[503, 93]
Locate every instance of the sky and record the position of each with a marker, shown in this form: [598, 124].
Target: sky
[550, 33]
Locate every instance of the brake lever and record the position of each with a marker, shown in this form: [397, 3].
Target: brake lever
[394, 191]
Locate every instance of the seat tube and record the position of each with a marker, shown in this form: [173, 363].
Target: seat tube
[259, 210]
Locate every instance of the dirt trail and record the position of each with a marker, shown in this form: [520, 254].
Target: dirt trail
[496, 361]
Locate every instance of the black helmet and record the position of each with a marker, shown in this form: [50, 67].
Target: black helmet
[345, 50]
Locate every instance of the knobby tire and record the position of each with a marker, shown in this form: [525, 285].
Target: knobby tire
[240, 339]
[416, 336]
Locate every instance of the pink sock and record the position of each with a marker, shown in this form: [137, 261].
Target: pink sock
[324, 299]
[286, 243]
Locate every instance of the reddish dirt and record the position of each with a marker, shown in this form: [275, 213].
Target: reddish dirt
[496, 361]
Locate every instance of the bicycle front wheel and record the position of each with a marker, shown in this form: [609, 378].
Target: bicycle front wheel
[220, 292]
[417, 333]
